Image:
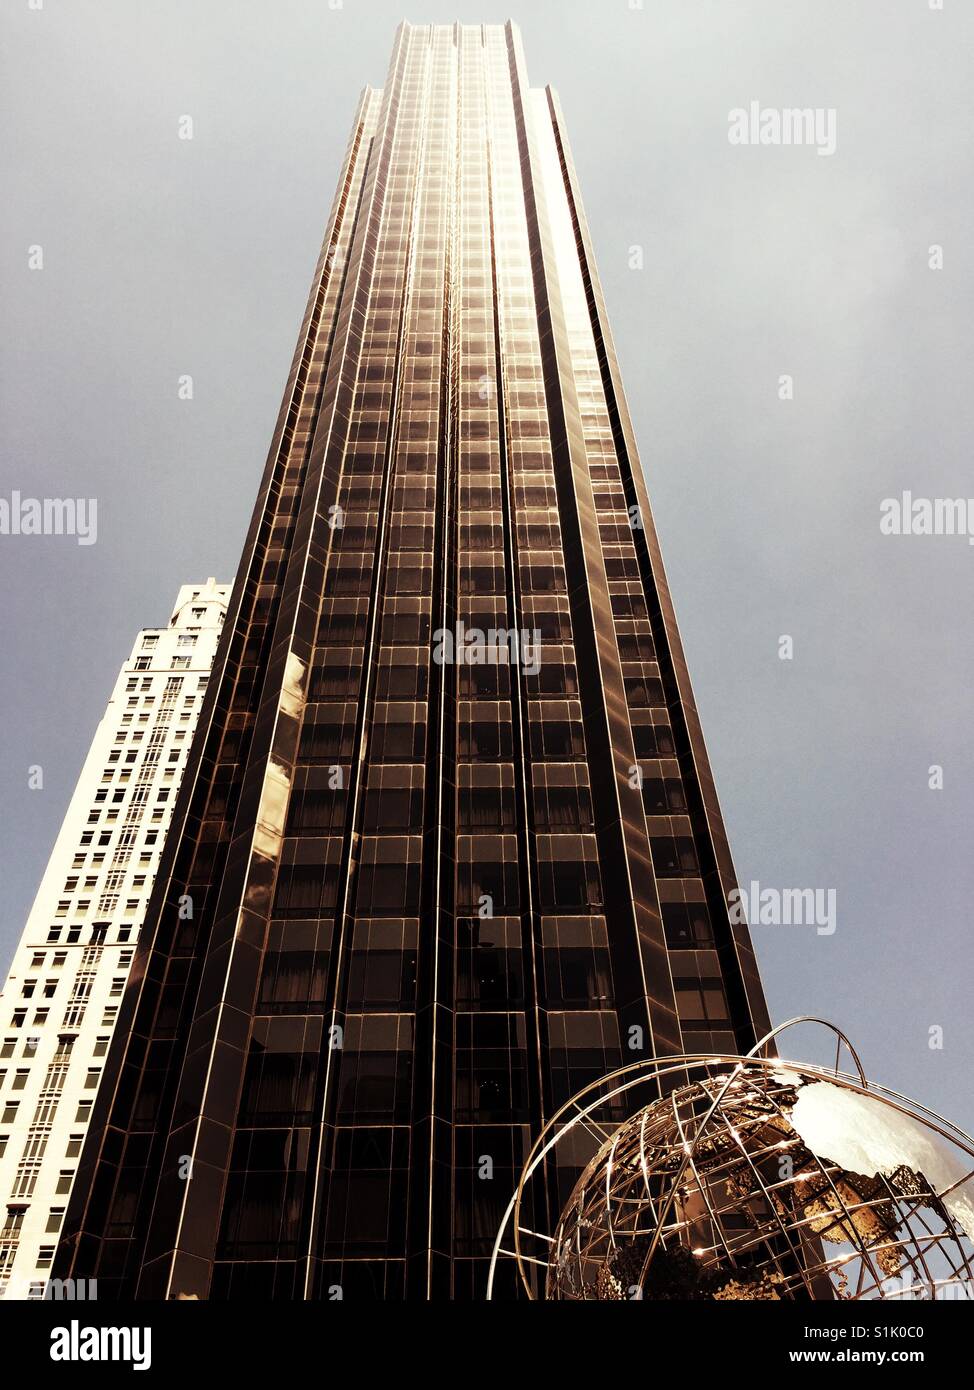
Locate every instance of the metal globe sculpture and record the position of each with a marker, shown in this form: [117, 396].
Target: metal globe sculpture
[744, 1178]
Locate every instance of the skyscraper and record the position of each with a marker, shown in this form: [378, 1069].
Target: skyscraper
[59, 1005]
[449, 835]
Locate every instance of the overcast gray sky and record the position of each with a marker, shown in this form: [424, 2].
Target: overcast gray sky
[165, 256]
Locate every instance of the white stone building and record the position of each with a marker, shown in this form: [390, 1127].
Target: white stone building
[60, 1001]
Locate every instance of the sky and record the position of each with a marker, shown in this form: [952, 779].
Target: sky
[725, 267]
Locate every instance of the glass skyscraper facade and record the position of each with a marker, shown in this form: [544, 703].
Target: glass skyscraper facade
[447, 847]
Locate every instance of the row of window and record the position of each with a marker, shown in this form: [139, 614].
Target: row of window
[20, 1077]
[490, 967]
[41, 1016]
